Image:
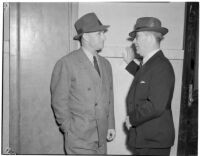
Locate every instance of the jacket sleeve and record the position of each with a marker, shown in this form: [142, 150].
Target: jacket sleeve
[111, 117]
[160, 94]
[60, 85]
[132, 68]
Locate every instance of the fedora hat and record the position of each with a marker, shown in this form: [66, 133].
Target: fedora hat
[148, 24]
[88, 23]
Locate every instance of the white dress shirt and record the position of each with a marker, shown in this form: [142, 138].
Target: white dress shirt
[89, 55]
[146, 58]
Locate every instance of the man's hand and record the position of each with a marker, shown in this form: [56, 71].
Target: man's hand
[129, 55]
[111, 134]
[127, 123]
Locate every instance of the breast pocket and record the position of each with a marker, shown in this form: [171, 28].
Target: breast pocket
[142, 90]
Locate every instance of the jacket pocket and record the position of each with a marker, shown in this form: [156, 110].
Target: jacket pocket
[142, 90]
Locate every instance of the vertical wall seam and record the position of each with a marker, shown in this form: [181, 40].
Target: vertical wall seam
[14, 79]
[69, 26]
[18, 75]
[72, 17]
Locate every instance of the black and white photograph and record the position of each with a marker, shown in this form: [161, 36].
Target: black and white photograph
[100, 78]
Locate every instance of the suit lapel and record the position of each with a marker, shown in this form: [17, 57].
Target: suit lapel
[103, 79]
[151, 60]
[147, 65]
[102, 72]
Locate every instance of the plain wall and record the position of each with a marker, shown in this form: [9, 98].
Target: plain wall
[121, 17]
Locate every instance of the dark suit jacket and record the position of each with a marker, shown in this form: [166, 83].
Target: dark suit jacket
[81, 100]
[149, 103]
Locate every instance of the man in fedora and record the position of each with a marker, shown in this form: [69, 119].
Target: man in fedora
[82, 92]
[149, 120]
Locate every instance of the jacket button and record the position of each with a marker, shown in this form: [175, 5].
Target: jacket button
[95, 104]
[89, 89]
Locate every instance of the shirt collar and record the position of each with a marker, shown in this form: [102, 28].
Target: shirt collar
[89, 54]
[146, 58]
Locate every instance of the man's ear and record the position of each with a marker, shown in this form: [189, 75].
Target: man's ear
[85, 36]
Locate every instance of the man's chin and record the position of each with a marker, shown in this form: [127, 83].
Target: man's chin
[98, 51]
[138, 55]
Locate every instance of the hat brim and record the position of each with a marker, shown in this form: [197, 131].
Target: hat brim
[94, 29]
[161, 30]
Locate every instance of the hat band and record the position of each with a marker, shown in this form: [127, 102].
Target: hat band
[89, 28]
[144, 27]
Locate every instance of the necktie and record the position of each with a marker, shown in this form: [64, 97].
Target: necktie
[96, 65]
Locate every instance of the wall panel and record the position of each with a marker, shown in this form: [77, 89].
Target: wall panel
[39, 36]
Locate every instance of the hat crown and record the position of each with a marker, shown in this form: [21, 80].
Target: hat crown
[147, 22]
[87, 22]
